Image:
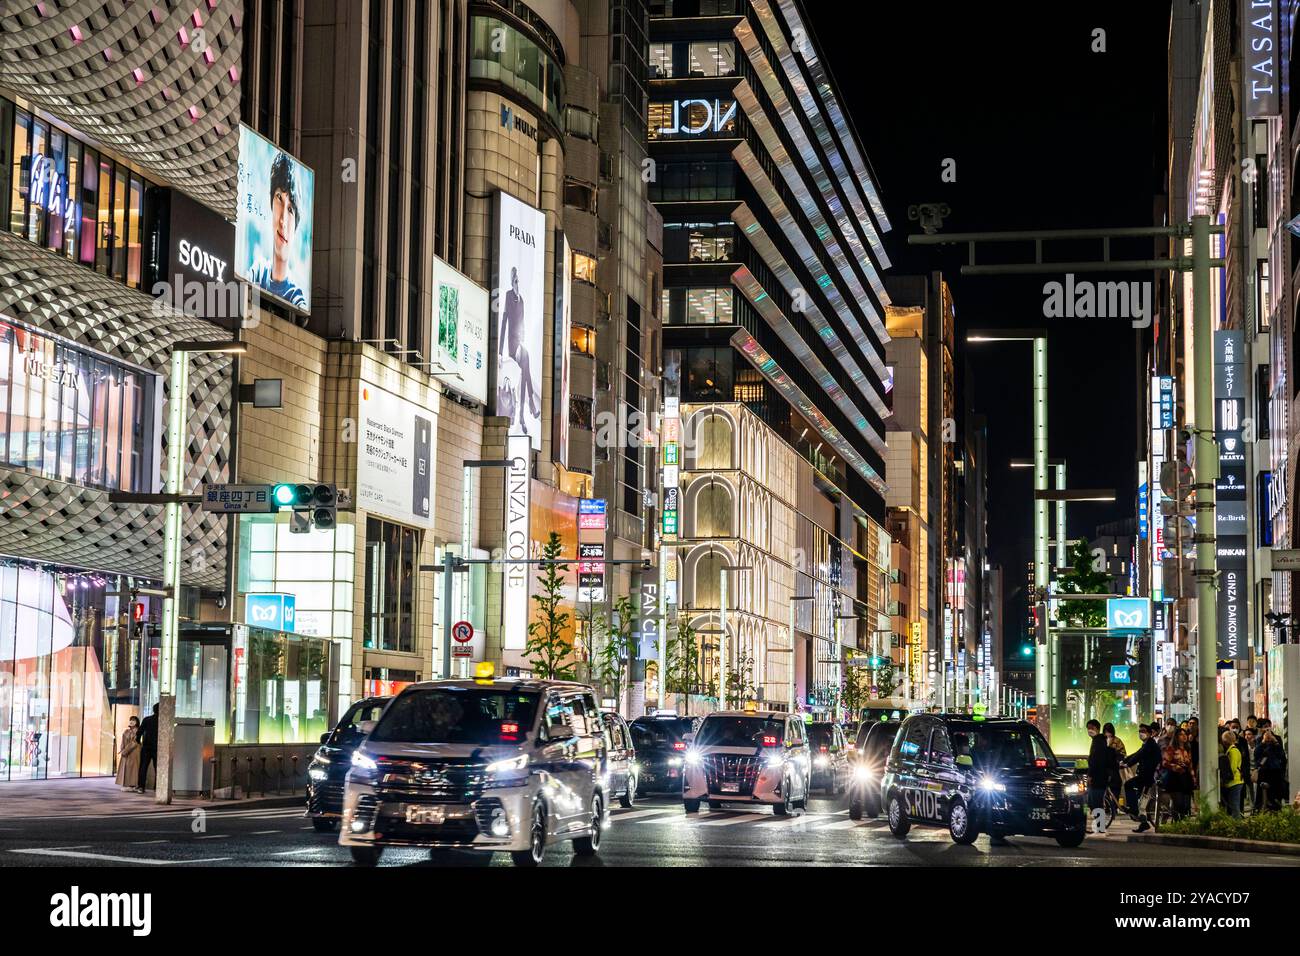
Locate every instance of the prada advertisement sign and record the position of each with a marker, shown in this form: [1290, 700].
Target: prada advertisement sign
[1260, 50]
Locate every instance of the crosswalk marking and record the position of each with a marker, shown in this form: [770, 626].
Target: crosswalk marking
[640, 814]
[734, 819]
[840, 825]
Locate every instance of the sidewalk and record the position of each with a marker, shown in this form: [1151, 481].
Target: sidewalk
[101, 796]
[1216, 843]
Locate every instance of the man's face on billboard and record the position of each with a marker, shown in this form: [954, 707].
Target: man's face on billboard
[285, 224]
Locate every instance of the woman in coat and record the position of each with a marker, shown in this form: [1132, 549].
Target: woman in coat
[1176, 775]
[1119, 772]
[1270, 761]
[128, 757]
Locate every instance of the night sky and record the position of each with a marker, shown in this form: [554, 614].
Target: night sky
[1046, 134]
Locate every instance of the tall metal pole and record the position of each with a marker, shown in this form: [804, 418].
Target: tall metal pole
[725, 644]
[1207, 470]
[1041, 577]
[173, 534]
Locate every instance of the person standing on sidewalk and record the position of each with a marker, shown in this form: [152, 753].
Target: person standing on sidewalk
[1118, 775]
[1100, 760]
[1177, 775]
[1230, 768]
[148, 748]
[128, 756]
[1269, 761]
[1141, 787]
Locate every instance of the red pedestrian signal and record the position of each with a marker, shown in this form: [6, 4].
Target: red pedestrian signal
[137, 611]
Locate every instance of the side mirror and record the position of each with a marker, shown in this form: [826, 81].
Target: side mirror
[366, 726]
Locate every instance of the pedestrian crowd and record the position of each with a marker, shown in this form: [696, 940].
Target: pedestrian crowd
[1166, 769]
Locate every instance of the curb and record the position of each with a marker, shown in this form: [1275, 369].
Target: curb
[298, 800]
[1216, 843]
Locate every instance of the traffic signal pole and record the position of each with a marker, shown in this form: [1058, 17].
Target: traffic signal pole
[1199, 264]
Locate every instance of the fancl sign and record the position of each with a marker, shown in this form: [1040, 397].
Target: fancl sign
[696, 117]
[1260, 57]
[518, 543]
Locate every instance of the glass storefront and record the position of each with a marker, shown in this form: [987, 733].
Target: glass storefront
[69, 671]
[76, 415]
[70, 198]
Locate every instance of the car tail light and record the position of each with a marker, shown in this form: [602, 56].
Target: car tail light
[1040, 762]
[769, 740]
[679, 745]
[823, 749]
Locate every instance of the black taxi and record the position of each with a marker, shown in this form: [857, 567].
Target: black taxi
[975, 775]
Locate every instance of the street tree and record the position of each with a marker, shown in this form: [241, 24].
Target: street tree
[548, 649]
[683, 673]
[616, 649]
[1082, 578]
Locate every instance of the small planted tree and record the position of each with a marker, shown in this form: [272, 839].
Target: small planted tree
[616, 651]
[550, 654]
[1083, 578]
[854, 691]
[740, 682]
[683, 672]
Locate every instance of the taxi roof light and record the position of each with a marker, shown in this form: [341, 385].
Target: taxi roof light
[751, 706]
[483, 672]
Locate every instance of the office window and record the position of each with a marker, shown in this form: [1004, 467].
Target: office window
[582, 339]
[661, 61]
[709, 306]
[580, 412]
[713, 58]
[699, 241]
[392, 556]
[584, 268]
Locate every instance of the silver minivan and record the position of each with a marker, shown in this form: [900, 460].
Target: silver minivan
[489, 764]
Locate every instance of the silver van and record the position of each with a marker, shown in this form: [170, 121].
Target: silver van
[488, 763]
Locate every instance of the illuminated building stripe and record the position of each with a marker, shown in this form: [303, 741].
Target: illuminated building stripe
[780, 380]
[789, 225]
[851, 226]
[846, 134]
[762, 302]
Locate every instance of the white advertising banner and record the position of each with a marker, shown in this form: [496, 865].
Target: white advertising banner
[518, 294]
[395, 457]
[460, 323]
[514, 615]
[563, 332]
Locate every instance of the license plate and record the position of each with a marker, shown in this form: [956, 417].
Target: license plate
[1038, 813]
[433, 815]
[731, 788]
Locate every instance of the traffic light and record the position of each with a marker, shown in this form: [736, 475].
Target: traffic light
[312, 505]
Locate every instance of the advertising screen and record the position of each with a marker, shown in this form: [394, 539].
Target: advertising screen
[273, 226]
[460, 323]
[520, 286]
[394, 457]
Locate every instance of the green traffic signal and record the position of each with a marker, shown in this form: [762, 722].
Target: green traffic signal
[284, 495]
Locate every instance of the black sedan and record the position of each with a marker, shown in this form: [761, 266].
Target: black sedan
[660, 749]
[330, 766]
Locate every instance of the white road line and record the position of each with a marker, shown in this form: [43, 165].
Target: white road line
[119, 859]
[214, 836]
[262, 832]
[147, 842]
[839, 825]
[310, 849]
[641, 814]
[737, 818]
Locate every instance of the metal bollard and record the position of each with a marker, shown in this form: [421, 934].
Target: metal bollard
[234, 775]
[293, 783]
[212, 776]
[264, 775]
[248, 776]
[279, 773]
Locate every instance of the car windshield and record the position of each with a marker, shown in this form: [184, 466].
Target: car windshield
[738, 731]
[821, 736]
[456, 715]
[661, 734]
[999, 749]
[348, 730]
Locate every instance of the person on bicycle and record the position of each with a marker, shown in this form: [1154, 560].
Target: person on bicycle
[1142, 787]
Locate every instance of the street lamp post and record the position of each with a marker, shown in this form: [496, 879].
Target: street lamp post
[173, 534]
[1039, 339]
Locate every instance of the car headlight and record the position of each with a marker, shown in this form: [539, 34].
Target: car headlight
[989, 785]
[775, 762]
[674, 761]
[822, 762]
[510, 765]
[693, 758]
[361, 761]
[1077, 787]
[317, 773]
[862, 774]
